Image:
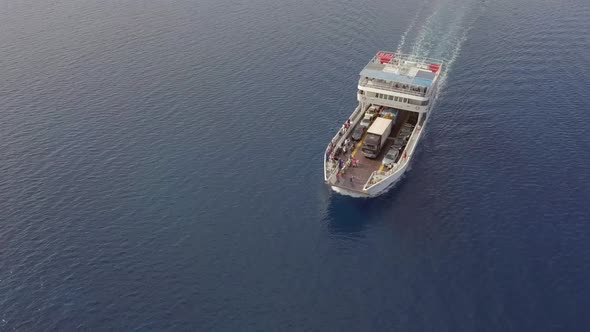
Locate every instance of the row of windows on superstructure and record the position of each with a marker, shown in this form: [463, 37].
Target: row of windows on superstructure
[403, 100]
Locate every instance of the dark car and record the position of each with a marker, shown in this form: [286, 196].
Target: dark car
[358, 132]
[398, 142]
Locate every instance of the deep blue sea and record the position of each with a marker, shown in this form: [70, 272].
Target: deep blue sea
[161, 168]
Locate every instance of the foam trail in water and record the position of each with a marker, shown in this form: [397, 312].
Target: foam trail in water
[441, 36]
[457, 38]
[445, 27]
[424, 33]
[402, 41]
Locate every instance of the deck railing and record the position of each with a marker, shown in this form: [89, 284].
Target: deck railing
[330, 166]
[389, 86]
[419, 61]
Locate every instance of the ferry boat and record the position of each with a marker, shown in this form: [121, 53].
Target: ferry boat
[375, 145]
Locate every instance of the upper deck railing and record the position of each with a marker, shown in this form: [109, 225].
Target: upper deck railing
[393, 86]
[405, 67]
[398, 59]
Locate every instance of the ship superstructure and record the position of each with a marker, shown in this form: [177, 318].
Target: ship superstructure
[373, 148]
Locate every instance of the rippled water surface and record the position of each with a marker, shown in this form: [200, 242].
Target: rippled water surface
[161, 168]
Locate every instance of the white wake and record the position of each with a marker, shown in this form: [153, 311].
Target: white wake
[439, 30]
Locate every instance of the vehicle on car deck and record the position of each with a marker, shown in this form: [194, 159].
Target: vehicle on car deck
[391, 156]
[358, 133]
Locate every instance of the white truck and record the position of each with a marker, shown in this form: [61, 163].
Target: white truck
[376, 137]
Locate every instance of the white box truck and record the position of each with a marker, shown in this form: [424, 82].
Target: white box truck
[376, 137]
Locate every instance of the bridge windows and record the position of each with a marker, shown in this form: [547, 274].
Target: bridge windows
[418, 102]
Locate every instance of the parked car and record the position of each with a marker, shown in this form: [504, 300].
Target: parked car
[358, 133]
[404, 133]
[366, 121]
[398, 142]
[407, 129]
[391, 157]
[374, 109]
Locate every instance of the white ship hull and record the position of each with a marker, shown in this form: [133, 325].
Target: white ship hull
[388, 182]
[396, 96]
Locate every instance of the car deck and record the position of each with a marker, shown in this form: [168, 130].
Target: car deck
[354, 178]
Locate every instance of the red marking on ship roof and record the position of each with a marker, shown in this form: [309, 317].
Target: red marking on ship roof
[384, 56]
[434, 67]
